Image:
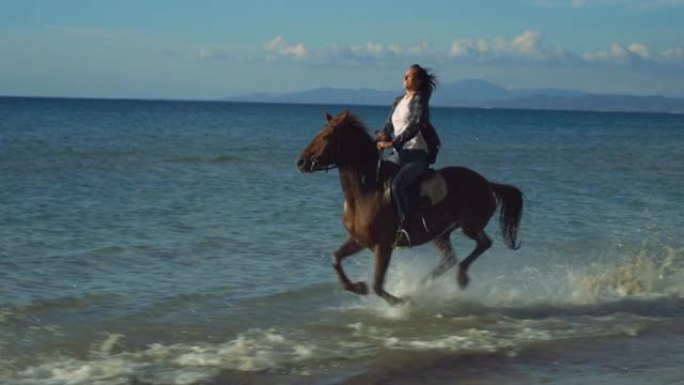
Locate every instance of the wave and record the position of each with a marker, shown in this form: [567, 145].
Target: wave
[254, 350]
[318, 329]
[309, 352]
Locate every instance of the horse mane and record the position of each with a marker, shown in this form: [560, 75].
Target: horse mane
[352, 128]
[359, 150]
[352, 122]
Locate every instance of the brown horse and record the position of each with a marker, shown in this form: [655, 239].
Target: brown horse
[468, 201]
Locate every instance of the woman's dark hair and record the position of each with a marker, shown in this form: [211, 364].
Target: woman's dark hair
[427, 80]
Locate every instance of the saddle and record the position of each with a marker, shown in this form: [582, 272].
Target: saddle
[428, 191]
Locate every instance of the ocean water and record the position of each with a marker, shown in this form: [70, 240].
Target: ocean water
[159, 242]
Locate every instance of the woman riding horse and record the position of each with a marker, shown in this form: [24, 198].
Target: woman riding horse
[468, 203]
[413, 137]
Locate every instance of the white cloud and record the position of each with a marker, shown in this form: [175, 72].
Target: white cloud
[213, 54]
[527, 47]
[527, 43]
[617, 53]
[673, 54]
[368, 49]
[417, 50]
[372, 53]
[640, 50]
[635, 53]
[381, 51]
[278, 47]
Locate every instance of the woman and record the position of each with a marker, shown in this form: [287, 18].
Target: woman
[409, 132]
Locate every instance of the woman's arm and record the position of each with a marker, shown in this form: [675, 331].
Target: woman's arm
[385, 133]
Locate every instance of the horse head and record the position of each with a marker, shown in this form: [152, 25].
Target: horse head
[325, 150]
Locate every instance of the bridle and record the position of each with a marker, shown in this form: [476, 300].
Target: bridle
[325, 168]
[338, 152]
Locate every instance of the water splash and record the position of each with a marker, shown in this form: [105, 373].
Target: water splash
[180, 364]
[651, 272]
[108, 346]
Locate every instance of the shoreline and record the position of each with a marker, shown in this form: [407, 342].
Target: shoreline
[652, 357]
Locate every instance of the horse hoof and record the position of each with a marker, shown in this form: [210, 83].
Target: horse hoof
[360, 288]
[396, 301]
[463, 279]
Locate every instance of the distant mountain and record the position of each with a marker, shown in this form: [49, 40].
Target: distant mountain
[324, 95]
[469, 91]
[480, 94]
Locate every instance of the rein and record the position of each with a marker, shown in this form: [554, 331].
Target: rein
[338, 149]
[377, 168]
[326, 168]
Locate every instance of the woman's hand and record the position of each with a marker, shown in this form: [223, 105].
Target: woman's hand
[383, 144]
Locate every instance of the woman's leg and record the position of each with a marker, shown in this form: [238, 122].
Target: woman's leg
[415, 163]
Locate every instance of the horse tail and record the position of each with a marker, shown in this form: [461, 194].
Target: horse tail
[511, 202]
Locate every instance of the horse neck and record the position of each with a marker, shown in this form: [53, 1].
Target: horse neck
[359, 176]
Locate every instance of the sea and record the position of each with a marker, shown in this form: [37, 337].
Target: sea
[148, 242]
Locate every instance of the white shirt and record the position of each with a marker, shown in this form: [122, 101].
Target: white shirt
[400, 122]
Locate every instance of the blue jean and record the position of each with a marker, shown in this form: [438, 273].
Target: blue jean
[413, 164]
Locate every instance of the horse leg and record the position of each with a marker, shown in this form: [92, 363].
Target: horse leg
[349, 247]
[483, 243]
[443, 245]
[383, 255]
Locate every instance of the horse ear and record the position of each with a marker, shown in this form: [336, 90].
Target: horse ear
[345, 114]
[328, 118]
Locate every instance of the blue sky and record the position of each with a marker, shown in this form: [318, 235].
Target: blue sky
[207, 49]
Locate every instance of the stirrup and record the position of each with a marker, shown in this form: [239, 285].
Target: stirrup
[402, 239]
[424, 223]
